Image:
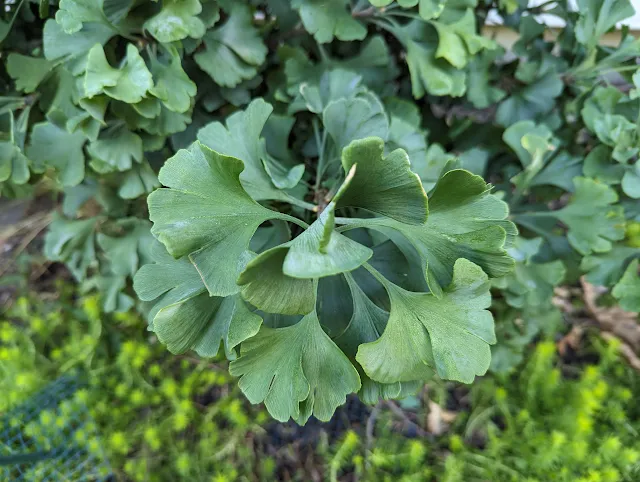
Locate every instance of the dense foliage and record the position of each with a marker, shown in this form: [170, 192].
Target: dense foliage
[325, 217]
[155, 417]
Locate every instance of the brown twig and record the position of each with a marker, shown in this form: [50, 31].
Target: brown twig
[402, 415]
[625, 349]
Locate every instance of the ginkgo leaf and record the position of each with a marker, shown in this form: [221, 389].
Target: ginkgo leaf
[27, 71]
[319, 251]
[591, 216]
[233, 51]
[347, 120]
[73, 13]
[333, 85]
[530, 284]
[129, 84]
[128, 252]
[177, 20]
[428, 73]
[631, 181]
[465, 221]
[451, 334]
[365, 326]
[627, 291]
[606, 269]
[201, 323]
[59, 45]
[328, 19]
[118, 147]
[267, 287]
[598, 16]
[54, 147]
[166, 281]
[171, 83]
[383, 185]
[296, 371]
[241, 139]
[206, 214]
[138, 181]
[458, 41]
[73, 242]
[111, 288]
[535, 97]
[14, 165]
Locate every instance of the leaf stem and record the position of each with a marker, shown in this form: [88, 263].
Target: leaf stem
[299, 222]
[301, 204]
[320, 143]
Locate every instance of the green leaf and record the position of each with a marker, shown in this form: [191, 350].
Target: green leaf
[482, 75]
[592, 218]
[383, 185]
[627, 291]
[429, 8]
[458, 41]
[138, 181]
[534, 146]
[618, 132]
[240, 138]
[631, 181]
[333, 85]
[73, 13]
[233, 51]
[129, 84]
[72, 242]
[206, 214]
[59, 45]
[111, 290]
[27, 71]
[14, 165]
[598, 16]
[172, 85]
[428, 73]
[167, 280]
[296, 371]
[535, 98]
[319, 251]
[451, 334]
[177, 20]
[201, 323]
[265, 286]
[347, 120]
[465, 221]
[560, 171]
[598, 166]
[606, 269]
[126, 253]
[118, 147]
[530, 284]
[365, 326]
[52, 146]
[328, 19]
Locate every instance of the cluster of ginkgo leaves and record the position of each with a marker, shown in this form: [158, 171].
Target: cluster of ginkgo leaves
[327, 221]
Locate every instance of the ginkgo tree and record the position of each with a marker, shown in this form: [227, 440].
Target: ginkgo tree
[338, 197]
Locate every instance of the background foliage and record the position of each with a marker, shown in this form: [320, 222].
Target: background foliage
[160, 417]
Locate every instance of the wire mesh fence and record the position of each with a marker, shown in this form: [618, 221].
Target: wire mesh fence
[52, 438]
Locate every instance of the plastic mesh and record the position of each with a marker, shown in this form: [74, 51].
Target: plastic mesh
[52, 437]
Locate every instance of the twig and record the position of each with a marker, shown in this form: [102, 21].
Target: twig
[41, 223]
[625, 349]
[401, 414]
[371, 424]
